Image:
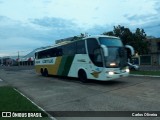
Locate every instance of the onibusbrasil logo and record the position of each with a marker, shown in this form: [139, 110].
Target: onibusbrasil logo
[21, 114]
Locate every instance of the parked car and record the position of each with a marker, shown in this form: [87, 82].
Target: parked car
[133, 66]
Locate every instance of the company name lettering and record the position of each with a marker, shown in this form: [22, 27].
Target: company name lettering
[48, 61]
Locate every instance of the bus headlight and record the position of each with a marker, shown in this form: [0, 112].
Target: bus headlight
[112, 64]
[111, 73]
[127, 70]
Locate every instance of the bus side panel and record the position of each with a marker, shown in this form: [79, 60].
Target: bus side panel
[61, 66]
[52, 68]
[79, 61]
[38, 68]
[82, 61]
[67, 66]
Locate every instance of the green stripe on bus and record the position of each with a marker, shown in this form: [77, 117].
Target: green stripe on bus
[62, 64]
[65, 65]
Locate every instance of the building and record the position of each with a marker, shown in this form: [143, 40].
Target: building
[28, 59]
[7, 61]
[155, 50]
[153, 58]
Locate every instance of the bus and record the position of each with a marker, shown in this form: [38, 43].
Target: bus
[98, 57]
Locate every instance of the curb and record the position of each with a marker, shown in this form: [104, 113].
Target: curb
[154, 76]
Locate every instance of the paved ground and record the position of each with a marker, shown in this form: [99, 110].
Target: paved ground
[61, 94]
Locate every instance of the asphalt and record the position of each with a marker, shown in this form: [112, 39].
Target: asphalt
[61, 94]
[2, 82]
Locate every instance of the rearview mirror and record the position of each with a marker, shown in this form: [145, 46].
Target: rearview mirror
[105, 50]
[131, 49]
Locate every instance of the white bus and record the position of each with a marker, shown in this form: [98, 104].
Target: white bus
[92, 58]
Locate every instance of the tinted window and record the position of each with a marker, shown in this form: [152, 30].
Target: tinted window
[69, 49]
[80, 47]
[98, 57]
[158, 45]
[94, 52]
[110, 41]
[36, 55]
[92, 44]
[53, 52]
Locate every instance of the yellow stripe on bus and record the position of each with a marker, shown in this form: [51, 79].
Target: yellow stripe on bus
[56, 65]
[52, 69]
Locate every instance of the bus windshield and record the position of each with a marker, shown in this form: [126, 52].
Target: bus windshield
[110, 42]
[116, 52]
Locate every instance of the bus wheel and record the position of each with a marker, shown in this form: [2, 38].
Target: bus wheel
[82, 76]
[46, 73]
[42, 73]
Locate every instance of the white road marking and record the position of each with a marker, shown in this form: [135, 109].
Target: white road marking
[52, 118]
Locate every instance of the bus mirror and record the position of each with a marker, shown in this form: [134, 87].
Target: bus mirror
[131, 49]
[105, 50]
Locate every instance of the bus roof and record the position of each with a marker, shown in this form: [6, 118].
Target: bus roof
[98, 36]
[67, 42]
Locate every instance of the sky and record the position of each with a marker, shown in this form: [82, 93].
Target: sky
[29, 24]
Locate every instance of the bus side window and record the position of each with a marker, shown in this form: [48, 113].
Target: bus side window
[98, 57]
[36, 55]
[93, 51]
[69, 49]
[59, 51]
[80, 47]
[41, 55]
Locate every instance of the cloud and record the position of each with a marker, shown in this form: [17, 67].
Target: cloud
[16, 35]
[1, 1]
[31, 24]
[53, 22]
[152, 28]
[99, 29]
[10, 28]
[141, 17]
[157, 5]
[47, 1]
[149, 20]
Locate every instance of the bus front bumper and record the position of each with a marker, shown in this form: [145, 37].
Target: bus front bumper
[117, 74]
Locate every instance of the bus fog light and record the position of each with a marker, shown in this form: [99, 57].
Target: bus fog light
[127, 70]
[110, 73]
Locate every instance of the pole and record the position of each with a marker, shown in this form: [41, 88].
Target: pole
[18, 58]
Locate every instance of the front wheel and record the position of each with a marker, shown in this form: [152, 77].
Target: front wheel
[82, 76]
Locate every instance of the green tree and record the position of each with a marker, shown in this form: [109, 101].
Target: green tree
[137, 39]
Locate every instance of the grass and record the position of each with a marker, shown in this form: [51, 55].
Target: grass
[156, 73]
[12, 101]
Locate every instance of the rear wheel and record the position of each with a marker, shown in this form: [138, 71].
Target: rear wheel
[46, 73]
[82, 76]
[42, 73]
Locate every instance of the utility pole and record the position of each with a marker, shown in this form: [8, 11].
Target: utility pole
[18, 58]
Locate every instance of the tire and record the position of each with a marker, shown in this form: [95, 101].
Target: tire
[46, 73]
[82, 76]
[42, 73]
